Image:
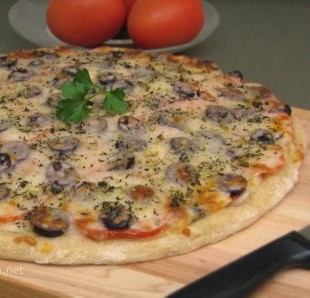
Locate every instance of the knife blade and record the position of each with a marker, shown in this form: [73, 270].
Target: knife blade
[243, 276]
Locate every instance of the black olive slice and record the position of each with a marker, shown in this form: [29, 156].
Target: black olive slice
[53, 100]
[219, 114]
[49, 222]
[106, 80]
[7, 62]
[124, 84]
[132, 144]
[234, 184]
[56, 188]
[94, 125]
[38, 120]
[124, 162]
[69, 70]
[84, 190]
[64, 145]
[167, 117]
[5, 124]
[262, 137]
[36, 62]
[141, 192]
[17, 150]
[237, 74]
[61, 173]
[180, 144]
[287, 109]
[32, 91]
[129, 124]
[184, 91]
[282, 108]
[182, 174]
[21, 74]
[4, 190]
[115, 217]
[5, 162]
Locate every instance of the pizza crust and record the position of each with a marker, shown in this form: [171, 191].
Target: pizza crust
[70, 249]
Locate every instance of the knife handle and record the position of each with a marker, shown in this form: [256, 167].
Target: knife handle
[243, 276]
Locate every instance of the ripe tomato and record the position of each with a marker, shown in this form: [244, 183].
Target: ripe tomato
[129, 4]
[85, 22]
[162, 23]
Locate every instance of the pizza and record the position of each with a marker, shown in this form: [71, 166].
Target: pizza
[114, 155]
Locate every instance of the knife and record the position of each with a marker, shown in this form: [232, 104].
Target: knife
[241, 277]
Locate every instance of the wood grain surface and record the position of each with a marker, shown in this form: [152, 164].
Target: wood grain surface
[159, 278]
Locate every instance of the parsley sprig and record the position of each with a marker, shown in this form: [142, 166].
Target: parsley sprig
[78, 93]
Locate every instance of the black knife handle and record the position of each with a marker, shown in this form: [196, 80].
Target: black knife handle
[243, 276]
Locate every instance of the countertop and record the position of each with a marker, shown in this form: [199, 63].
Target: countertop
[267, 40]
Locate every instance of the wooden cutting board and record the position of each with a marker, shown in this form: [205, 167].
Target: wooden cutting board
[159, 278]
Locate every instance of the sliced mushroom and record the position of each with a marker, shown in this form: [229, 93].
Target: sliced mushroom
[262, 137]
[64, 145]
[185, 91]
[129, 124]
[182, 174]
[4, 190]
[49, 222]
[84, 190]
[5, 162]
[124, 162]
[234, 184]
[17, 150]
[141, 192]
[115, 217]
[131, 143]
[61, 173]
[94, 125]
[5, 124]
[219, 114]
[38, 120]
[21, 74]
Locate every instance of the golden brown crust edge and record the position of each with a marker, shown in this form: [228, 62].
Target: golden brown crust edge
[80, 250]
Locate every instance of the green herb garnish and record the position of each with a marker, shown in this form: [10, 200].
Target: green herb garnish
[76, 104]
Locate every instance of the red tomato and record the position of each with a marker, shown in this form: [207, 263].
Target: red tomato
[103, 234]
[129, 4]
[85, 22]
[162, 23]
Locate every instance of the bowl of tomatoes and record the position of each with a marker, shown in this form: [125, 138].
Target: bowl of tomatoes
[151, 25]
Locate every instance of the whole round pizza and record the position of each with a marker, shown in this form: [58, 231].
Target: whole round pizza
[113, 155]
